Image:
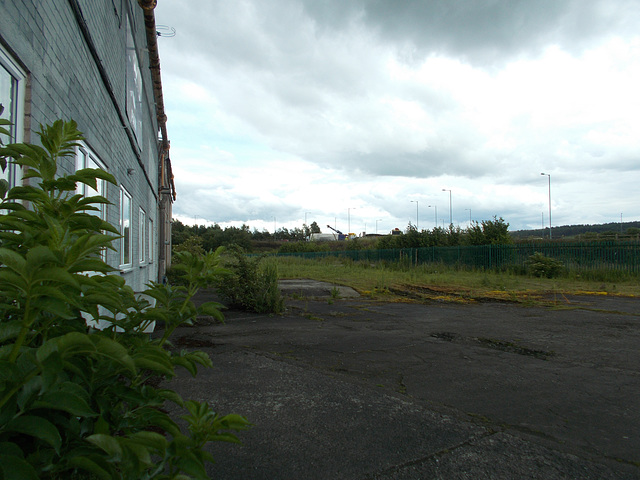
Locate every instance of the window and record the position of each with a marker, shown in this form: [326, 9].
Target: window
[85, 158]
[142, 236]
[150, 235]
[134, 87]
[125, 228]
[12, 88]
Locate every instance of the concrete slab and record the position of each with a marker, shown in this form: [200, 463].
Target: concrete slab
[314, 288]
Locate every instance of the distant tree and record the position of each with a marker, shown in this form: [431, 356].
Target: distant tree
[315, 228]
[496, 231]
[298, 234]
[475, 234]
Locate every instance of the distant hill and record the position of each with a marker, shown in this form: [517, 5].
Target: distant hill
[572, 231]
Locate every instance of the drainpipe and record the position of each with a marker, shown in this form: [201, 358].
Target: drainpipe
[166, 185]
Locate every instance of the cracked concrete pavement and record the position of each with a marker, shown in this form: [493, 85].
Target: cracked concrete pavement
[348, 388]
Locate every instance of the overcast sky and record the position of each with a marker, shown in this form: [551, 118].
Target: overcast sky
[333, 110]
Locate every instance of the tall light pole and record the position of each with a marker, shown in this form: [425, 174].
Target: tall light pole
[435, 218]
[417, 226]
[305, 217]
[450, 208]
[549, 175]
[379, 220]
[349, 219]
[274, 228]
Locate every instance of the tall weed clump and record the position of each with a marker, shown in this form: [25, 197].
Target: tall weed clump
[540, 265]
[79, 402]
[249, 284]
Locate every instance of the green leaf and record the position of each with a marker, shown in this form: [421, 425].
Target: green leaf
[12, 280]
[13, 260]
[66, 402]
[55, 274]
[192, 465]
[40, 255]
[93, 199]
[89, 176]
[90, 265]
[107, 443]
[4, 188]
[9, 330]
[140, 450]
[16, 468]
[37, 427]
[10, 448]
[72, 343]
[92, 466]
[155, 363]
[150, 440]
[115, 351]
[188, 365]
[235, 422]
[28, 392]
[213, 310]
[170, 395]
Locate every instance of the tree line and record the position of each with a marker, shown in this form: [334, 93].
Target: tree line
[211, 237]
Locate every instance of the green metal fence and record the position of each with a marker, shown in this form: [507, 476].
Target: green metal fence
[619, 256]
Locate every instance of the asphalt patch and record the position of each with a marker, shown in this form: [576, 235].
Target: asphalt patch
[355, 389]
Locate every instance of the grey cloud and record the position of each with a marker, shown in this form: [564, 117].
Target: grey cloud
[481, 31]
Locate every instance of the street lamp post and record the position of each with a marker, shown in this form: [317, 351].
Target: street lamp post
[349, 219]
[435, 218]
[549, 175]
[417, 225]
[274, 228]
[450, 208]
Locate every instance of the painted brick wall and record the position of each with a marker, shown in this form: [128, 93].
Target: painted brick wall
[65, 82]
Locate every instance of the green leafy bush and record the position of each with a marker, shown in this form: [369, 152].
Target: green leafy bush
[77, 401]
[249, 285]
[539, 265]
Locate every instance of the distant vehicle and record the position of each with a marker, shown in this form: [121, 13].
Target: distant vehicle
[341, 236]
[323, 237]
[396, 231]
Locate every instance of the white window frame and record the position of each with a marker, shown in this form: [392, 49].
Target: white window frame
[126, 217]
[133, 85]
[14, 112]
[151, 237]
[142, 236]
[86, 158]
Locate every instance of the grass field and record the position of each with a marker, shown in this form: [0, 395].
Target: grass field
[430, 281]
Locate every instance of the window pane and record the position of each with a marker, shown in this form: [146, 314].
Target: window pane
[134, 87]
[85, 158]
[150, 235]
[142, 237]
[7, 99]
[7, 93]
[125, 226]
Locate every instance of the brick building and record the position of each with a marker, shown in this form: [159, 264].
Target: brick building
[96, 62]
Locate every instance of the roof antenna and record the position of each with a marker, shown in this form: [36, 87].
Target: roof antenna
[165, 31]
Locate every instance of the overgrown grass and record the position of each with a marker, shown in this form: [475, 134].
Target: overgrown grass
[380, 279]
